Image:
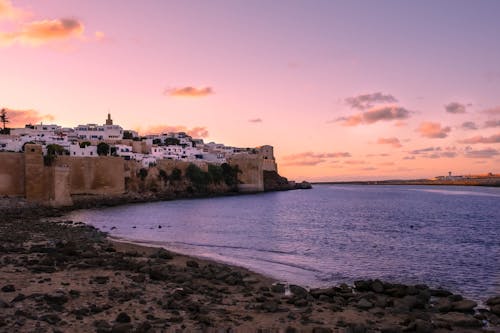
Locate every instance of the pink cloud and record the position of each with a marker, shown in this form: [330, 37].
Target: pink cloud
[311, 158]
[9, 12]
[481, 139]
[390, 141]
[195, 132]
[189, 91]
[381, 113]
[42, 32]
[433, 130]
[366, 101]
[19, 118]
[255, 120]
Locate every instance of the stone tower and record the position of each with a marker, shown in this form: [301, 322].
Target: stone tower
[34, 173]
[109, 121]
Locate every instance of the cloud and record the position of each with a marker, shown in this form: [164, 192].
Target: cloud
[447, 154]
[189, 91]
[424, 150]
[491, 123]
[99, 36]
[41, 32]
[455, 107]
[311, 158]
[409, 158]
[481, 139]
[390, 141]
[255, 120]
[195, 132]
[433, 130]
[495, 111]
[354, 162]
[9, 12]
[367, 101]
[382, 113]
[484, 153]
[469, 125]
[19, 118]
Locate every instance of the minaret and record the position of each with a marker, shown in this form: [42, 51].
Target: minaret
[109, 121]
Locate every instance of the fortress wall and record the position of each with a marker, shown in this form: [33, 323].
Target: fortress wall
[102, 175]
[12, 174]
[251, 176]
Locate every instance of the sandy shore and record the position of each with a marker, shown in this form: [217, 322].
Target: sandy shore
[70, 277]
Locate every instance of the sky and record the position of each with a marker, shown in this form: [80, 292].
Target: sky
[343, 90]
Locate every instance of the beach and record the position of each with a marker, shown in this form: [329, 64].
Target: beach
[69, 277]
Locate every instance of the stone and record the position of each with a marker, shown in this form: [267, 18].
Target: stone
[192, 264]
[3, 304]
[440, 292]
[363, 285]
[464, 306]
[459, 319]
[123, 318]
[444, 305]
[364, 304]
[422, 326]
[278, 288]
[100, 279]
[391, 329]
[298, 291]
[50, 318]
[495, 309]
[58, 297]
[9, 288]
[493, 300]
[377, 286]
[122, 328]
[270, 306]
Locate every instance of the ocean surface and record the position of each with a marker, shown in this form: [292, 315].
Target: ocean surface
[438, 235]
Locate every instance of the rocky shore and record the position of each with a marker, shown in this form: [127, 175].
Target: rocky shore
[69, 277]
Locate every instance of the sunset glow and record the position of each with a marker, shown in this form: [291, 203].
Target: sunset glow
[342, 89]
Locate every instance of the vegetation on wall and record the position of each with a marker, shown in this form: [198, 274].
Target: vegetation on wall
[53, 150]
[103, 149]
[127, 135]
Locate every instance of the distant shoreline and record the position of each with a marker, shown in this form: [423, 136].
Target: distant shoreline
[470, 182]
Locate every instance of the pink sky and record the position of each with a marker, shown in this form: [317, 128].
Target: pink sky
[342, 89]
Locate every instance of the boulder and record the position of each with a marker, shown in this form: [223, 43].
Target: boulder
[464, 306]
[493, 301]
[364, 304]
[458, 319]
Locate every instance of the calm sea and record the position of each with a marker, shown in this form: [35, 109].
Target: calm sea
[441, 236]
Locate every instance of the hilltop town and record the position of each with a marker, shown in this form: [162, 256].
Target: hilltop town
[51, 164]
[94, 140]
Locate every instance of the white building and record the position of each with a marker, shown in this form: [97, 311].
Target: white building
[88, 151]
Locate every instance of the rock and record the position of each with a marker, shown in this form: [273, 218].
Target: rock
[192, 264]
[464, 306]
[363, 285]
[444, 305]
[100, 279]
[18, 298]
[458, 319]
[278, 288]
[50, 318]
[377, 286]
[9, 288]
[123, 318]
[102, 326]
[3, 304]
[440, 292]
[364, 304]
[493, 301]
[420, 326]
[122, 328]
[298, 291]
[270, 306]
[495, 309]
[162, 254]
[59, 298]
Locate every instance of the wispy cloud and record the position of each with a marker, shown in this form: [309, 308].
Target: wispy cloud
[19, 118]
[390, 141]
[195, 132]
[382, 113]
[469, 125]
[484, 153]
[482, 139]
[495, 111]
[491, 123]
[312, 158]
[41, 32]
[455, 107]
[255, 120]
[366, 101]
[189, 91]
[433, 130]
[10, 12]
